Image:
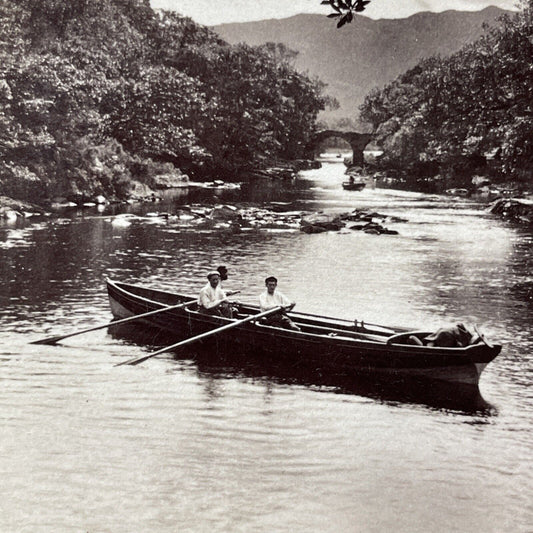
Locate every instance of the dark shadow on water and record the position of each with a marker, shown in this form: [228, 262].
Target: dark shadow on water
[432, 394]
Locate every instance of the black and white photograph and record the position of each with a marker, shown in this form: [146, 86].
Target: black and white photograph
[266, 266]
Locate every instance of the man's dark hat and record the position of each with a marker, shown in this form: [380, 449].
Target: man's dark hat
[271, 278]
[223, 272]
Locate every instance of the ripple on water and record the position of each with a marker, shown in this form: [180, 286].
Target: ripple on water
[184, 446]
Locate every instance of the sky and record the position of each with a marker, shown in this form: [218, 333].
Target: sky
[212, 12]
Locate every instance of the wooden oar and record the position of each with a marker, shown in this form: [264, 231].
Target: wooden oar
[54, 340]
[329, 319]
[348, 334]
[137, 360]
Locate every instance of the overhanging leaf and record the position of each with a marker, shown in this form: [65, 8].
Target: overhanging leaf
[342, 21]
[335, 6]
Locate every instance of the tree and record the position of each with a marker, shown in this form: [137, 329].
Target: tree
[453, 111]
[97, 89]
[155, 116]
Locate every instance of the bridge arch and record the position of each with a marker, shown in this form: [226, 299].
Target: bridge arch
[357, 142]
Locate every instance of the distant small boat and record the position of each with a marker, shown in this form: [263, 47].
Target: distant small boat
[457, 192]
[353, 185]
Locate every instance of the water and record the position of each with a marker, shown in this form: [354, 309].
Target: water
[191, 445]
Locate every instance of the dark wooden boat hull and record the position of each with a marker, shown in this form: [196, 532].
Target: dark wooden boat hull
[319, 347]
[357, 186]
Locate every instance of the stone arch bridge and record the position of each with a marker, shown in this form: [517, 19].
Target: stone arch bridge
[357, 142]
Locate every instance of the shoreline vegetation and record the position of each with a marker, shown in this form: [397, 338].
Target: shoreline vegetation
[461, 122]
[109, 100]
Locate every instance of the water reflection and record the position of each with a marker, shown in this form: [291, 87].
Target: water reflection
[464, 399]
[266, 437]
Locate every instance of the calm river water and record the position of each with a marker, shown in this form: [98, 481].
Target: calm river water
[177, 444]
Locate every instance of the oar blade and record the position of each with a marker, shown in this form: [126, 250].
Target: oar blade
[48, 340]
[135, 361]
[55, 340]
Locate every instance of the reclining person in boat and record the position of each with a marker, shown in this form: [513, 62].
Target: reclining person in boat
[271, 298]
[452, 336]
[212, 300]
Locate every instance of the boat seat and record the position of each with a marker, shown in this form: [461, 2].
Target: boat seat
[414, 338]
[264, 324]
[338, 333]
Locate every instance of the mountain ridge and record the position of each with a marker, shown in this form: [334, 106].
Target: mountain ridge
[367, 53]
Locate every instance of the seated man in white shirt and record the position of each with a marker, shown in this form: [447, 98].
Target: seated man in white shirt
[212, 300]
[271, 298]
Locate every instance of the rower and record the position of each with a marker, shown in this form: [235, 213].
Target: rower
[271, 298]
[212, 300]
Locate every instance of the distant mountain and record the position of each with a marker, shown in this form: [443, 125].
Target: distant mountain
[366, 53]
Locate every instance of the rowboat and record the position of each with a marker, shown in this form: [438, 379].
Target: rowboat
[353, 185]
[326, 343]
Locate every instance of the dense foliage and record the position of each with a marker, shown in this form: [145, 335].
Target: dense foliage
[94, 93]
[450, 115]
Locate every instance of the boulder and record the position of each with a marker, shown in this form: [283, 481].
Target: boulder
[9, 214]
[480, 181]
[170, 180]
[319, 222]
[273, 173]
[225, 212]
[9, 208]
[313, 229]
[519, 210]
[306, 164]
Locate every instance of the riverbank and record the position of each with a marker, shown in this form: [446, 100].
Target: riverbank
[477, 186]
[515, 209]
[509, 200]
[139, 191]
[11, 208]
